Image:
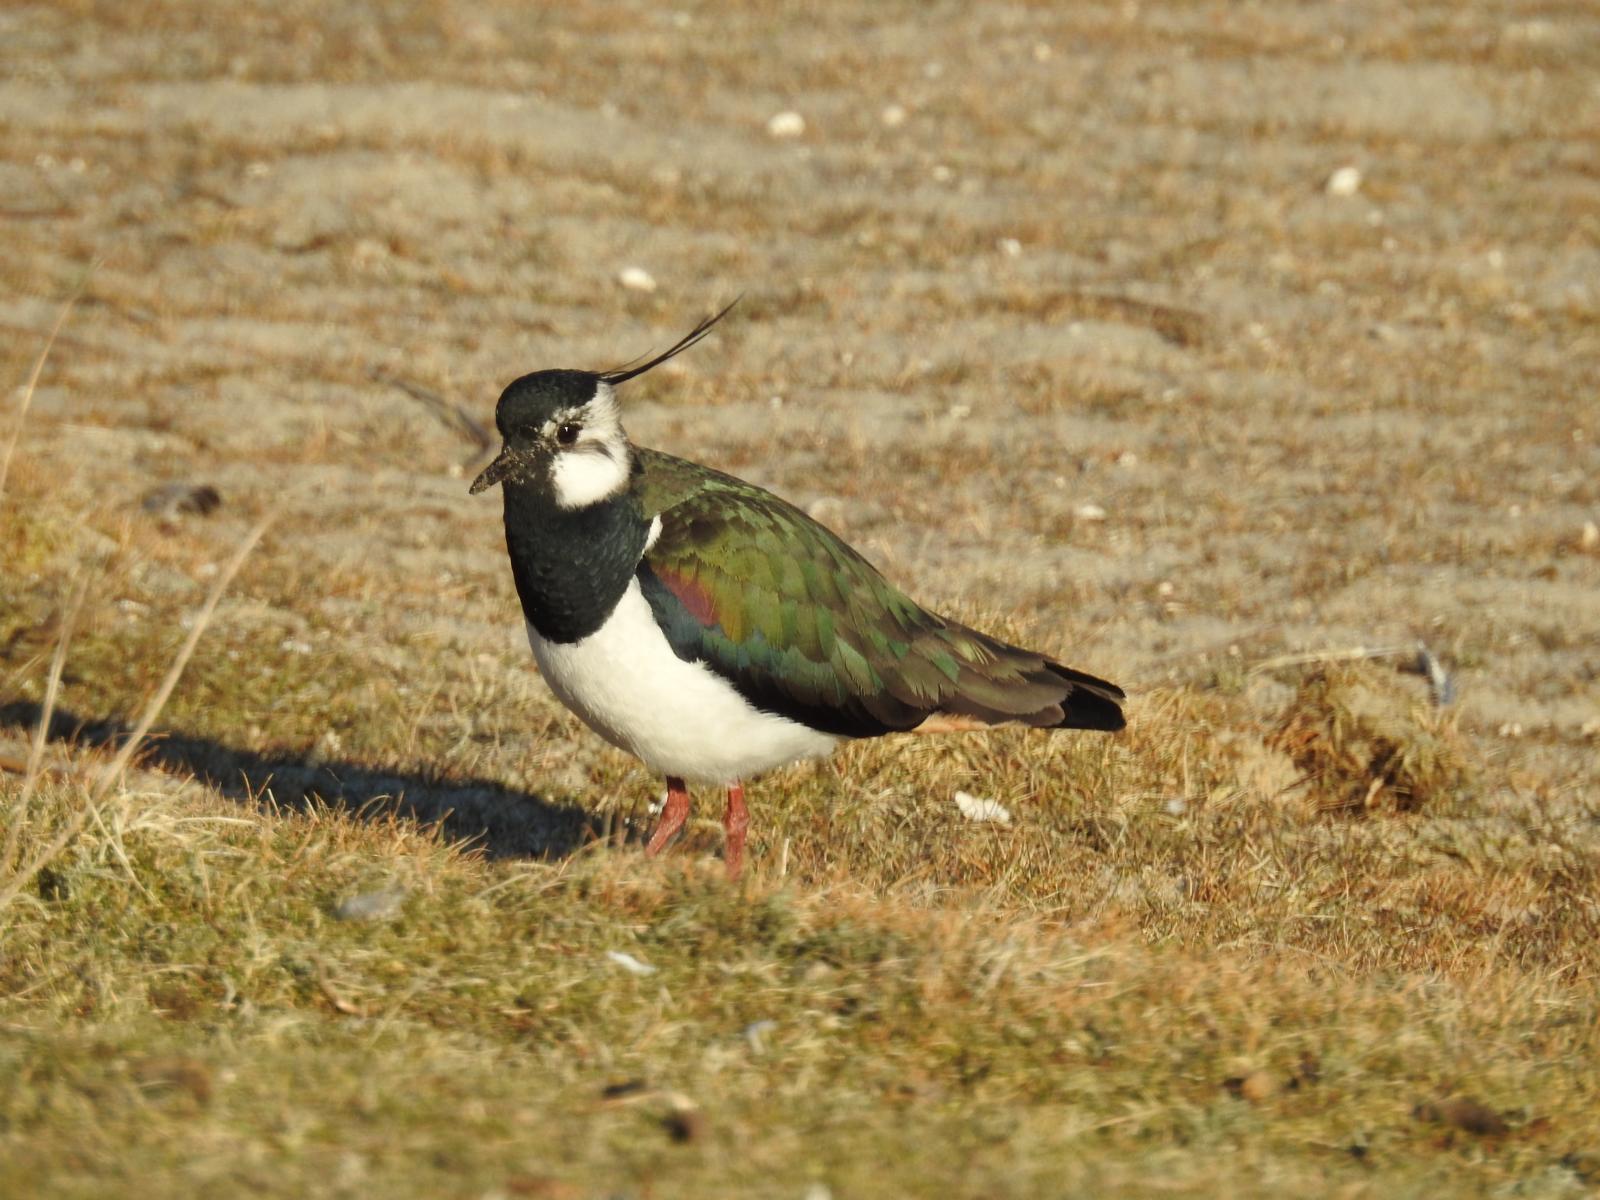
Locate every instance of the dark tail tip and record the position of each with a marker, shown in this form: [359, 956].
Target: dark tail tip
[1092, 703]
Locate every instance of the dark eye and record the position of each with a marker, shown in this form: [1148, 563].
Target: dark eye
[568, 432]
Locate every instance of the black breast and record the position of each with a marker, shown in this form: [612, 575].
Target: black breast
[571, 567]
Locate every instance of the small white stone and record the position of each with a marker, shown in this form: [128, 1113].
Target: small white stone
[893, 116]
[1042, 52]
[636, 279]
[629, 963]
[942, 173]
[975, 808]
[1010, 247]
[1537, 30]
[381, 905]
[1089, 512]
[788, 124]
[1589, 536]
[1346, 181]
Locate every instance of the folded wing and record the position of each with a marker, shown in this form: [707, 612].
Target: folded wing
[803, 626]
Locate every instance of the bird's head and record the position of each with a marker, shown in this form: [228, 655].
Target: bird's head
[562, 430]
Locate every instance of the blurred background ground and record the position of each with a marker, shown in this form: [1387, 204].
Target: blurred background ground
[1181, 339]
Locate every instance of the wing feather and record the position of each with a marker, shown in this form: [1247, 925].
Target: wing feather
[803, 625]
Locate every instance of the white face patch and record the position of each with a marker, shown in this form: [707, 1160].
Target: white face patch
[597, 466]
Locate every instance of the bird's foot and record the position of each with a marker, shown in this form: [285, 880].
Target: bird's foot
[673, 814]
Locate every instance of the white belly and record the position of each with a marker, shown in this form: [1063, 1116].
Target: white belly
[679, 717]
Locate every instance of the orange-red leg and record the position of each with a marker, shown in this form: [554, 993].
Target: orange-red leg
[673, 815]
[734, 822]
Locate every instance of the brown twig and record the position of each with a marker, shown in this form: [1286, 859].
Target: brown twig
[1346, 654]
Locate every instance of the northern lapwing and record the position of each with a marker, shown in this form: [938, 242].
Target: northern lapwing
[714, 630]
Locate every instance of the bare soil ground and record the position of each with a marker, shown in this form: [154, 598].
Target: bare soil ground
[1052, 311]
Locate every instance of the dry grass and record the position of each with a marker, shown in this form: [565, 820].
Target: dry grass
[1172, 967]
[1079, 350]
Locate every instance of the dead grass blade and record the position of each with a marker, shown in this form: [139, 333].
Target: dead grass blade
[19, 879]
[1320, 657]
[33, 378]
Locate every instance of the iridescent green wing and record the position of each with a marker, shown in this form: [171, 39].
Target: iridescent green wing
[803, 626]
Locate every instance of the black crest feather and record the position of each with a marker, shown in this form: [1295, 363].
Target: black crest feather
[624, 373]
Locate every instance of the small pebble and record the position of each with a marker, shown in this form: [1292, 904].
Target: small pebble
[684, 1124]
[1346, 181]
[636, 279]
[893, 116]
[1463, 1113]
[380, 905]
[630, 964]
[1010, 247]
[1089, 512]
[1254, 1087]
[1589, 536]
[975, 808]
[178, 499]
[788, 124]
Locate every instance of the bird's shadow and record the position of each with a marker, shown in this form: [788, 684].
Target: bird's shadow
[502, 822]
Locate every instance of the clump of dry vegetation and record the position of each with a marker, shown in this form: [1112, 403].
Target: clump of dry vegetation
[1364, 743]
